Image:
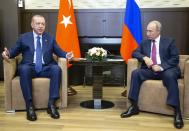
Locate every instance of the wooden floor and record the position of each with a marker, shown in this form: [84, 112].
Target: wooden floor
[76, 118]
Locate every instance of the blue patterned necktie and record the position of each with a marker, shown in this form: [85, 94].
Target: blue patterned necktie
[38, 62]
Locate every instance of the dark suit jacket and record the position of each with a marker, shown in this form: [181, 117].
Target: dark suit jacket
[25, 45]
[169, 54]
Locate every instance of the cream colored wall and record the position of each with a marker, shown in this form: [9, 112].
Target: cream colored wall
[88, 4]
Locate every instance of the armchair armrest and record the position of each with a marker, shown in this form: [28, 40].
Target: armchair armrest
[186, 89]
[9, 73]
[62, 62]
[133, 64]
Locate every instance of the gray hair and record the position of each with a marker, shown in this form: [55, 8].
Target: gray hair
[36, 16]
[157, 23]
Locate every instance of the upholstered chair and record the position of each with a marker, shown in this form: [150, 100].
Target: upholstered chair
[153, 94]
[13, 95]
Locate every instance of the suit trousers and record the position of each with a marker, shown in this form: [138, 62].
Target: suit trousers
[169, 78]
[27, 72]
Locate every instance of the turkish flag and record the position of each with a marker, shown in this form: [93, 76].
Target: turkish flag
[66, 32]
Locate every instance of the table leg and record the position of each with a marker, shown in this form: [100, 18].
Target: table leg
[97, 102]
[97, 91]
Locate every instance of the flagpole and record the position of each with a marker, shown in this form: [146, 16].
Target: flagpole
[132, 31]
[66, 33]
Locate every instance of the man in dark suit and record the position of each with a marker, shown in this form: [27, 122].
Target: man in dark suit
[37, 48]
[160, 58]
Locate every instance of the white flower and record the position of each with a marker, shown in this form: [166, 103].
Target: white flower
[96, 53]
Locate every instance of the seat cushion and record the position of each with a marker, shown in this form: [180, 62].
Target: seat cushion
[40, 93]
[153, 96]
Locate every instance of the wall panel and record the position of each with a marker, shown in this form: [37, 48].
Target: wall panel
[108, 23]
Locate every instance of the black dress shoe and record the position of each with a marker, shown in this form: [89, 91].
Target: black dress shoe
[133, 110]
[31, 116]
[53, 112]
[178, 122]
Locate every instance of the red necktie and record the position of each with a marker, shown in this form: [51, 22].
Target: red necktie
[154, 52]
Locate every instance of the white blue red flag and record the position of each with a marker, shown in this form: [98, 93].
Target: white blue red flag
[132, 29]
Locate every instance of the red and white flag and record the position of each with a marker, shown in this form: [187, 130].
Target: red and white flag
[66, 32]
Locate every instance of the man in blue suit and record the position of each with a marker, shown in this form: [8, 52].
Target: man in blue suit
[37, 48]
[160, 58]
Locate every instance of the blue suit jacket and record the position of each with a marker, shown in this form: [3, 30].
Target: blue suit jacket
[25, 45]
[169, 54]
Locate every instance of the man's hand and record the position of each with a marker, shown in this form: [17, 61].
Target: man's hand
[69, 55]
[6, 54]
[156, 68]
[148, 61]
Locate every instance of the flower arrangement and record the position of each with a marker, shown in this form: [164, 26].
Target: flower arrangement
[96, 54]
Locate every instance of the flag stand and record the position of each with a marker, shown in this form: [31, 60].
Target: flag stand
[124, 93]
[71, 91]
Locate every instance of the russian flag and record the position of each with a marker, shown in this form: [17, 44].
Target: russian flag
[132, 29]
